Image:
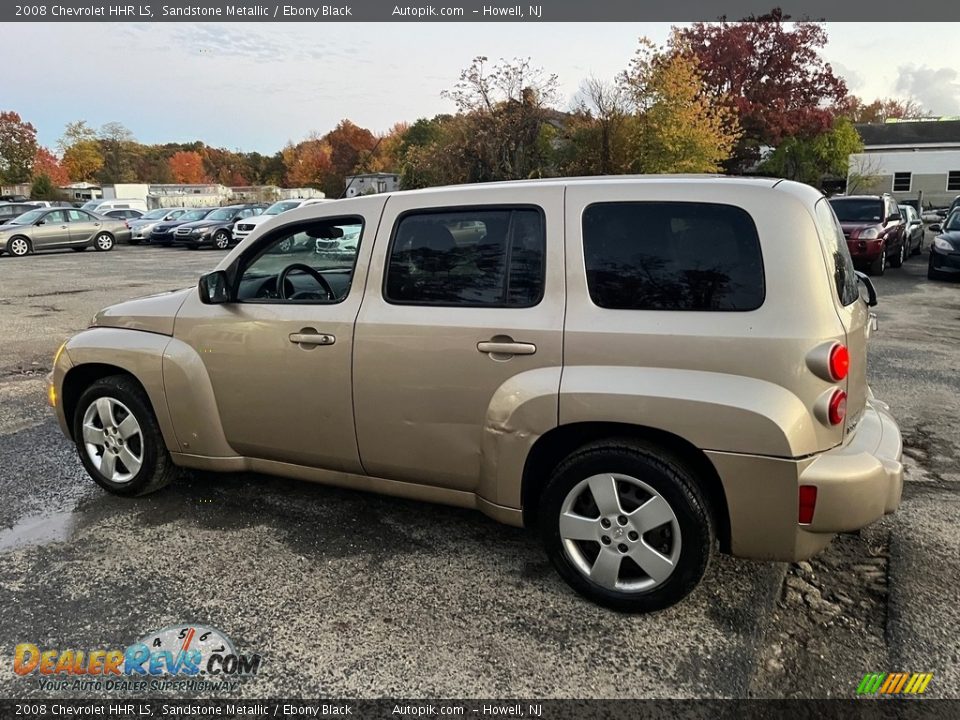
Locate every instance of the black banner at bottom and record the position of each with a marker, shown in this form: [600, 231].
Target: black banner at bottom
[861, 709]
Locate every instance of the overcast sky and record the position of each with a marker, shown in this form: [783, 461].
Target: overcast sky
[254, 86]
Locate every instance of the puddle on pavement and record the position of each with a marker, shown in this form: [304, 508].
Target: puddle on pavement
[37, 530]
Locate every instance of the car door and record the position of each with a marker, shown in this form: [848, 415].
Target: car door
[280, 367]
[51, 231]
[83, 225]
[448, 323]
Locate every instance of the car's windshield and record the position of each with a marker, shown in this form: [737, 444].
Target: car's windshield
[953, 223]
[28, 218]
[91, 205]
[194, 215]
[222, 214]
[857, 210]
[154, 214]
[281, 207]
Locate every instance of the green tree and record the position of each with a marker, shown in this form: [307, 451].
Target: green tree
[18, 148]
[82, 156]
[676, 126]
[810, 160]
[43, 188]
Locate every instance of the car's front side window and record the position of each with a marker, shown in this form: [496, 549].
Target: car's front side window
[309, 262]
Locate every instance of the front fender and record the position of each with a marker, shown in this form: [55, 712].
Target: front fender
[136, 352]
[711, 411]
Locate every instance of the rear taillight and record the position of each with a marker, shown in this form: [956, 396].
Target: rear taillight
[839, 363]
[837, 408]
[806, 503]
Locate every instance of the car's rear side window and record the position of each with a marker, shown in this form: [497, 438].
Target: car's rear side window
[838, 255]
[468, 257]
[672, 256]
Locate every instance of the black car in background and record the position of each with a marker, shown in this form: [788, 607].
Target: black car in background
[945, 249]
[216, 229]
[8, 211]
[162, 233]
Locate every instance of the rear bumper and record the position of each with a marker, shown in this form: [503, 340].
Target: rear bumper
[857, 483]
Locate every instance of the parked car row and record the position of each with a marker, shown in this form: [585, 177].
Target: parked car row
[878, 231]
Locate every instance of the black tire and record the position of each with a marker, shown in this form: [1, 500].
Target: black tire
[900, 257]
[156, 468]
[667, 476]
[103, 242]
[15, 248]
[221, 240]
[878, 266]
[919, 248]
[933, 274]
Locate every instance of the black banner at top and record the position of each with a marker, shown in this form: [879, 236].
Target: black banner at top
[471, 11]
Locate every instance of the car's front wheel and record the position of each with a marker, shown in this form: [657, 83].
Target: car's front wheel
[901, 256]
[626, 525]
[118, 438]
[19, 246]
[879, 266]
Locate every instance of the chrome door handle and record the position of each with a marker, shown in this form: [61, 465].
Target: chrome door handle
[312, 338]
[506, 348]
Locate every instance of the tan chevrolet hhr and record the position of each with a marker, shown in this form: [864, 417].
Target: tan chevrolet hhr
[643, 369]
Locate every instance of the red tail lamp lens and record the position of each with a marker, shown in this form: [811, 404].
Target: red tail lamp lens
[807, 498]
[839, 362]
[838, 407]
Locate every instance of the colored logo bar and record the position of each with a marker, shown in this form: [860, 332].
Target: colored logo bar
[894, 683]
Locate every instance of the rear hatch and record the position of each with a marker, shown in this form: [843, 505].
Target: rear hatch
[851, 308]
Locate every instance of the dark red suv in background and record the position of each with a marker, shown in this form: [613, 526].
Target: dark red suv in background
[874, 230]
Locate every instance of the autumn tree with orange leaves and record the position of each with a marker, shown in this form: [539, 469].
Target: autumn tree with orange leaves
[187, 167]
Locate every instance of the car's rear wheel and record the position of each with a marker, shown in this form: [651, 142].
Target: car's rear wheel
[221, 240]
[626, 525]
[103, 242]
[19, 246]
[879, 266]
[118, 439]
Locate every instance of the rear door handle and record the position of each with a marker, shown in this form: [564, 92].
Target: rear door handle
[506, 348]
[312, 338]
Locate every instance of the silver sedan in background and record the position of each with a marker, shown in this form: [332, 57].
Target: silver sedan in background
[58, 228]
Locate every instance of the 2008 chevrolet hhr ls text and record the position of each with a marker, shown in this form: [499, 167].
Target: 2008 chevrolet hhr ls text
[642, 369]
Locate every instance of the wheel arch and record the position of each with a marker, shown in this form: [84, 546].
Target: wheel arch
[553, 446]
[78, 378]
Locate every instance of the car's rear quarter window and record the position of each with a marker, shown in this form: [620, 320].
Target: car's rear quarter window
[672, 256]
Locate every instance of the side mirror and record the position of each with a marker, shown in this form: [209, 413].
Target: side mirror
[936, 227]
[868, 284]
[41, 222]
[214, 288]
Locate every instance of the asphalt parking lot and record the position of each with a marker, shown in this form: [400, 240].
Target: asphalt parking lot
[355, 595]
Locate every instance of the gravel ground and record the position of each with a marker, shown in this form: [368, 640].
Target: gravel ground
[351, 594]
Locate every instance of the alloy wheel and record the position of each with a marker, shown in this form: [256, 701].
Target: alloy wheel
[222, 241]
[113, 439]
[620, 533]
[19, 247]
[104, 241]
